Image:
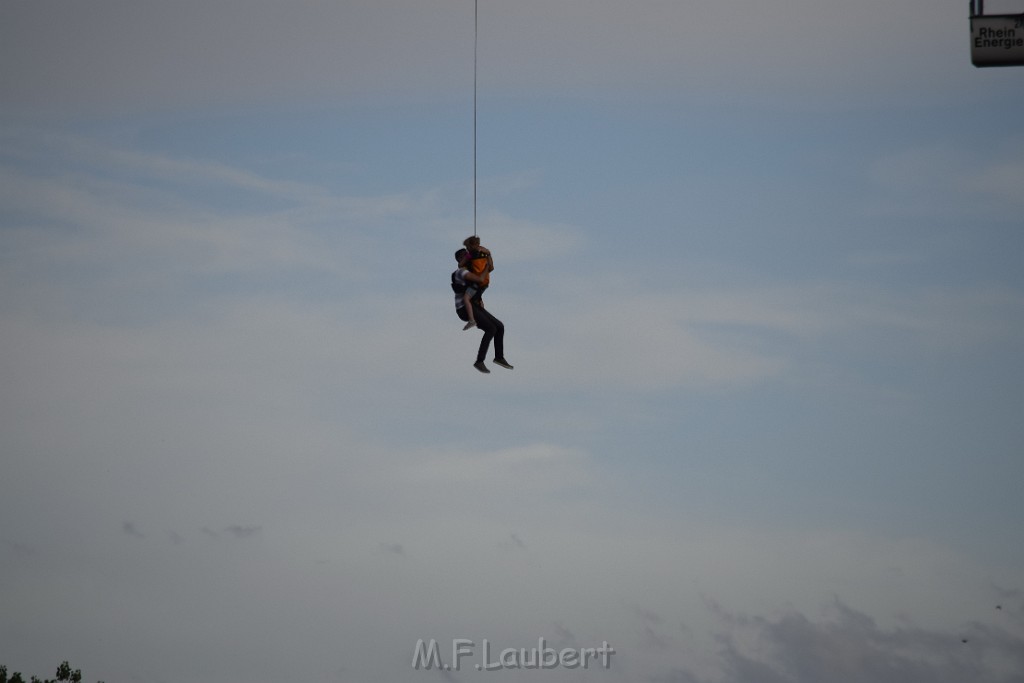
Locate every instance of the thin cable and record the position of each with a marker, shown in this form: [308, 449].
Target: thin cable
[476, 23]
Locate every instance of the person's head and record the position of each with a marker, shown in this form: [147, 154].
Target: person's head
[471, 242]
[461, 255]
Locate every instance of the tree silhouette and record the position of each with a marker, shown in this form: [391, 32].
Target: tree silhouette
[64, 673]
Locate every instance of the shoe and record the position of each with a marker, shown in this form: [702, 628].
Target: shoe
[469, 325]
[479, 365]
[503, 363]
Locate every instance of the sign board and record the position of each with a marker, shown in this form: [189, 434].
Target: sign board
[997, 40]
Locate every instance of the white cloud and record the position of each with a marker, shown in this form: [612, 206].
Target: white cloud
[311, 478]
[540, 465]
[602, 334]
[514, 240]
[945, 181]
[277, 425]
[1002, 181]
[518, 240]
[634, 342]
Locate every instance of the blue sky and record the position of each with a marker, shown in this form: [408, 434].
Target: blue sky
[759, 269]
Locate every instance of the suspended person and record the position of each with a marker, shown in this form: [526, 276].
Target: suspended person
[481, 264]
[472, 287]
[472, 308]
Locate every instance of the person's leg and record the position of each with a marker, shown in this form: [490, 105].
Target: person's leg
[490, 326]
[494, 329]
[468, 308]
[499, 338]
[466, 316]
[499, 344]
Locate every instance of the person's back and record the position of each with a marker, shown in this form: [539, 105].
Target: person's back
[467, 289]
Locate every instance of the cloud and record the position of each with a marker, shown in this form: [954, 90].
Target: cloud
[184, 55]
[155, 237]
[600, 330]
[19, 548]
[517, 241]
[243, 531]
[562, 637]
[145, 57]
[1000, 182]
[162, 240]
[392, 548]
[674, 676]
[942, 180]
[448, 676]
[129, 529]
[103, 215]
[611, 333]
[849, 647]
[648, 616]
[557, 465]
[651, 639]
[639, 342]
[184, 358]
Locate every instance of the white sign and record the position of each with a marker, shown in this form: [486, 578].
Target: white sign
[997, 40]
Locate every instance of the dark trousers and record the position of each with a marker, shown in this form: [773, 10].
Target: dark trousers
[492, 328]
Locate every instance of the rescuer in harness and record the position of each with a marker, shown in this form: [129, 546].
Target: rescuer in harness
[469, 305]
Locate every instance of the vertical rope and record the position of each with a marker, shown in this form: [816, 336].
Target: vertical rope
[476, 23]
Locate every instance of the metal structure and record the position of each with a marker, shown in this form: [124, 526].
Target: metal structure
[996, 39]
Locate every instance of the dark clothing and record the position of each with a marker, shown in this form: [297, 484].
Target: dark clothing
[492, 328]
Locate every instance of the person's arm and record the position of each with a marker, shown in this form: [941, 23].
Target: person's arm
[473, 277]
[490, 260]
[480, 279]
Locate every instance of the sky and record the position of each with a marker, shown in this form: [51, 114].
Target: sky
[759, 268]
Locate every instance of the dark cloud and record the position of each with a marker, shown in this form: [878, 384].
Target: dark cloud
[514, 542]
[563, 637]
[19, 548]
[393, 548]
[240, 531]
[649, 616]
[130, 529]
[237, 531]
[674, 676]
[850, 647]
[448, 676]
[650, 638]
